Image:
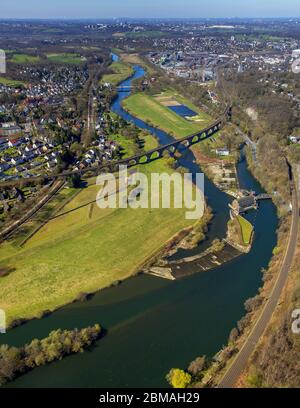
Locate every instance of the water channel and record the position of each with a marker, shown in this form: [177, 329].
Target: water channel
[154, 324]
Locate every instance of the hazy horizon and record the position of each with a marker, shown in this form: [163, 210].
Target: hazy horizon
[148, 18]
[156, 9]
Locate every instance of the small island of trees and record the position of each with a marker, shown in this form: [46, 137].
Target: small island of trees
[60, 343]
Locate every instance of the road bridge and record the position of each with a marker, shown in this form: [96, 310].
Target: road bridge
[263, 197]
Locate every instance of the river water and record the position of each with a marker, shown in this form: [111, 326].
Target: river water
[154, 324]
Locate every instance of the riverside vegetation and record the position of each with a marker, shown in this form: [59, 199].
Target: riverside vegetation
[15, 361]
[267, 119]
[272, 363]
[128, 233]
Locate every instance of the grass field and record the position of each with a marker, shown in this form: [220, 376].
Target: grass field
[10, 82]
[129, 146]
[121, 71]
[135, 59]
[24, 59]
[66, 58]
[53, 30]
[152, 110]
[175, 96]
[206, 147]
[84, 249]
[147, 34]
[246, 228]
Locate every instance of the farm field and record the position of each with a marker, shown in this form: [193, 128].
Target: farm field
[66, 58]
[146, 34]
[10, 82]
[154, 111]
[121, 71]
[171, 97]
[24, 59]
[83, 249]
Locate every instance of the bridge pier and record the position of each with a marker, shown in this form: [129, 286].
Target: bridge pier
[171, 148]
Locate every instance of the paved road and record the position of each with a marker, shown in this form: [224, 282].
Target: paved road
[239, 364]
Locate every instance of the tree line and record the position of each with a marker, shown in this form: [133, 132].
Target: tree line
[15, 361]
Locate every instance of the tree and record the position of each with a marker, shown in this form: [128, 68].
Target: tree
[254, 378]
[76, 149]
[197, 366]
[75, 180]
[178, 378]
[253, 303]
[234, 335]
[10, 363]
[15, 361]
[65, 159]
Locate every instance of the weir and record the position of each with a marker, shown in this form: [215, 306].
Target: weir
[207, 305]
[202, 262]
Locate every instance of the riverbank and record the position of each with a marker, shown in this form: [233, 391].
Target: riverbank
[78, 225]
[238, 241]
[211, 373]
[278, 349]
[143, 314]
[253, 376]
[120, 72]
[43, 280]
[155, 114]
[240, 233]
[15, 362]
[156, 111]
[214, 257]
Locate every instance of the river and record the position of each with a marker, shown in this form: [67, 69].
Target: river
[154, 324]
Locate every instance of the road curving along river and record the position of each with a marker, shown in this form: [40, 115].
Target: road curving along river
[154, 324]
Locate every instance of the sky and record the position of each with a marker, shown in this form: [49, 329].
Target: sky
[148, 8]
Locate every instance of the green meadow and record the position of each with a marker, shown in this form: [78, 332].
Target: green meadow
[10, 82]
[246, 230]
[153, 111]
[24, 59]
[121, 71]
[83, 249]
[65, 58]
[147, 34]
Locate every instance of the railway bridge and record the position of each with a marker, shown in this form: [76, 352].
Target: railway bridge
[126, 88]
[143, 158]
